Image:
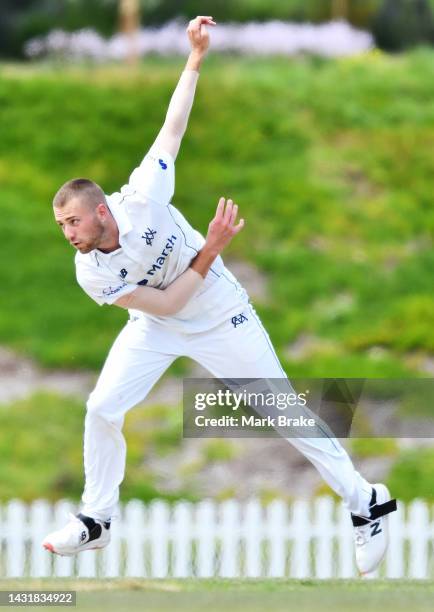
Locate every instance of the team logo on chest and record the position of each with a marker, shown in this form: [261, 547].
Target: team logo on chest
[149, 236]
[161, 259]
[123, 273]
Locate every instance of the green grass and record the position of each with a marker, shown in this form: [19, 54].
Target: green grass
[236, 595]
[331, 163]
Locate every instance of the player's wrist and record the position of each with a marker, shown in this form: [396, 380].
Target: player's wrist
[204, 259]
[210, 250]
[195, 60]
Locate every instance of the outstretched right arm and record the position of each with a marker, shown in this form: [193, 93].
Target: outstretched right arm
[155, 177]
[171, 134]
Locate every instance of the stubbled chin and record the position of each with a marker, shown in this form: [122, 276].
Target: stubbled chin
[84, 250]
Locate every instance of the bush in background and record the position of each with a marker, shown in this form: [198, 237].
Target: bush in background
[21, 20]
[412, 475]
[397, 24]
[332, 161]
[333, 39]
[401, 24]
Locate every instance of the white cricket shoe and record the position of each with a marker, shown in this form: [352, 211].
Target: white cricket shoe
[81, 533]
[371, 533]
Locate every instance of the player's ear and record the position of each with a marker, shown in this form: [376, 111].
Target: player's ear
[102, 210]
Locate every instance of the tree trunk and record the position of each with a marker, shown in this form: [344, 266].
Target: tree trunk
[129, 17]
[340, 9]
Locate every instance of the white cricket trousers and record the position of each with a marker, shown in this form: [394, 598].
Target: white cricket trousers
[141, 353]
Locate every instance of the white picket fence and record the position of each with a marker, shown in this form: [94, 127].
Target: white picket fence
[208, 539]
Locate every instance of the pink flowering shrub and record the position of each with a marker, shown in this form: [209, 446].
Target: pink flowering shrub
[332, 39]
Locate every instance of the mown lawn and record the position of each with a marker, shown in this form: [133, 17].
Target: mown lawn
[331, 163]
[236, 595]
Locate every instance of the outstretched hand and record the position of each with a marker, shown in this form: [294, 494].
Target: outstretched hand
[222, 228]
[198, 33]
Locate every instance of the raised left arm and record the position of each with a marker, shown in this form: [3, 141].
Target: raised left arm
[171, 134]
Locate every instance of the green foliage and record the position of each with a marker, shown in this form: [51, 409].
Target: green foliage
[41, 449]
[41, 454]
[412, 475]
[219, 450]
[23, 19]
[404, 23]
[370, 447]
[331, 163]
[358, 12]
[240, 11]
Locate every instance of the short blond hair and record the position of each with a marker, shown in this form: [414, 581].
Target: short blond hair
[89, 193]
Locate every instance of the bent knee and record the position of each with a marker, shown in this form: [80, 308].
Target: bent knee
[100, 406]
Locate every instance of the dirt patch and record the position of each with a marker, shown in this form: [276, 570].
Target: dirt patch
[21, 377]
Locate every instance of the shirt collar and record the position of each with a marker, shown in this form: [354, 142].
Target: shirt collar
[120, 216]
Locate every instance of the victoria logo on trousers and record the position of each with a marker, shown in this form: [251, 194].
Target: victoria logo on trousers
[238, 319]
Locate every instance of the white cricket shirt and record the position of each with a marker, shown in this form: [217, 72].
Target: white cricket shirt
[157, 245]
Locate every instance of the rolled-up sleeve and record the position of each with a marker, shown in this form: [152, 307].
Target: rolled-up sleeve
[101, 287]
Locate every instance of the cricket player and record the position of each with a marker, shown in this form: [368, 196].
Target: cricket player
[136, 251]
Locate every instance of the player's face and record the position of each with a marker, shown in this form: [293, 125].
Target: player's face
[81, 225]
